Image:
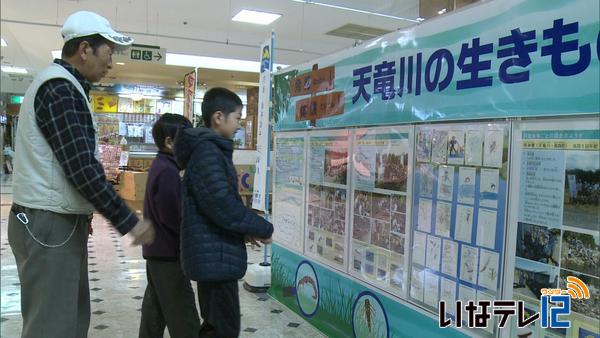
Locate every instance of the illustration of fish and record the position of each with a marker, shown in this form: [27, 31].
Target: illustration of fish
[306, 280]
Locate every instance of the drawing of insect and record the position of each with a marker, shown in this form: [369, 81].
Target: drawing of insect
[368, 312]
[308, 280]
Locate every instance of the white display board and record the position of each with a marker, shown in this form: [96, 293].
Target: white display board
[327, 210]
[380, 203]
[289, 189]
[459, 203]
[554, 221]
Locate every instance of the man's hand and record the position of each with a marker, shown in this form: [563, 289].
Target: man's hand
[143, 233]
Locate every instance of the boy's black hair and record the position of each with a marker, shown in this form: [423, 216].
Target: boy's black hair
[70, 47]
[219, 99]
[167, 126]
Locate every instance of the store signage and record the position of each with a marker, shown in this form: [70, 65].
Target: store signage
[141, 53]
[189, 91]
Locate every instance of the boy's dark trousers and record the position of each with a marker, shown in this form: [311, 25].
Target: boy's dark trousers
[168, 301]
[220, 309]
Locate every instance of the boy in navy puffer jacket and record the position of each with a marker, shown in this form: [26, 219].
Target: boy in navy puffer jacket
[215, 220]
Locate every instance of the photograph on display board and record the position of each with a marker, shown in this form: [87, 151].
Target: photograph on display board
[381, 206]
[340, 196]
[339, 227]
[582, 189]
[424, 145]
[466, 185]
[380, 234]
[585, 333]
[357, 257]
[432, 282]
[442, 219]
[445, 182]
[424, 220]
[581, 252]
[398, 223]
[335, 166]
[391, 170]
[456, 147]
[419, 245]
[398, 203]
[439, 146]
[417, 282]
[314, 216]
[361, 229]
[486, 228]
[539, 243]
[397, 274]
[327, 197]
[383, 267]
[397, 244]
[488, 188]
[488, 269]
[448, 294]
[468, 263]
[493, 148]
[340, 212]
[464, 223]
[314, 194]
[362, 203]
[474, 147]
[427, 179]
[588, 307]
[449, 257]
[326, 219]
[320, 243]
[433, 256]
[531, 277]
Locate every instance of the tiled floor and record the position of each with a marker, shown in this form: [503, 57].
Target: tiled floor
[117, 282]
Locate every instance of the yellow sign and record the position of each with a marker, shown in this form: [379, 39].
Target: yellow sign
[105, 103]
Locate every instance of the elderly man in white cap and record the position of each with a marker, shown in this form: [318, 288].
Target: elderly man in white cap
[59, 182]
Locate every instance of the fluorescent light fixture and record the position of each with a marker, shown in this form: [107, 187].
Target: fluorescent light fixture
[179, 99]
[215, 63]
[259, 18]
[310, 2]
[120, 63]
[442, 11]
[3, 42]
[420, 19]
[14, 70]
[56, 54]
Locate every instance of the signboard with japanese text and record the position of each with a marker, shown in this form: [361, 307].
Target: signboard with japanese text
[263, 130]
[499, 59]
[554, 221]
[189, 91]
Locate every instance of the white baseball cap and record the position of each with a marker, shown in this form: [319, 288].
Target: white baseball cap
[86, 23]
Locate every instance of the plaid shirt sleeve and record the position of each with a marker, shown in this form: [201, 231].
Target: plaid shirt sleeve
[64, 119]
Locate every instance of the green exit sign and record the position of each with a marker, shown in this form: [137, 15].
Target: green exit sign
[16, 99]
